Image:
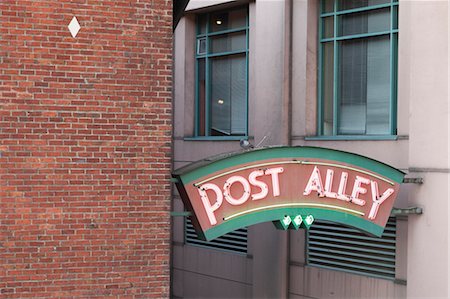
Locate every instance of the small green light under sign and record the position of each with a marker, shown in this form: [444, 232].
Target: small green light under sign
[294, 222]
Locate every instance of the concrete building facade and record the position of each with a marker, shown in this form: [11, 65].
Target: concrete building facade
[302, 66]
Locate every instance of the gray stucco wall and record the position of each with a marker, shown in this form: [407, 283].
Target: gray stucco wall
[422, 149]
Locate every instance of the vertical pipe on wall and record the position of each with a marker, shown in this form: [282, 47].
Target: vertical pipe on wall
[287, 113]
[287, 75]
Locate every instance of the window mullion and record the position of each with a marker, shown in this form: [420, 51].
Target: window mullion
[392, 74]
[197, 104]
[207, 81]
[226, 53]
[362, 35]
[363, 9]
[320, 108]
[223, 32]
[335, 73]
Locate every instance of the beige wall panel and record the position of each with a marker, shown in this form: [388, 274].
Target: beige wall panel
[178, 76]
[216, 263]
[322, 283]
[400, 291]
[304, 67]
[394, 153]
[297, 246]
[212, 274]
[177, 283]
[178, 256]
[191, 151]
[427, 48]
[296, 280]
[197, 285]
[311, 68]
[295, 296]
[401, 256]
[299, 57]
[184, 75]
[402, 200]
[267, 63]
[428, 238]
[178, 222]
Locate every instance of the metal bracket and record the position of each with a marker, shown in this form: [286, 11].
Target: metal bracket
[180, 214]
[407, 211]
[413, 180]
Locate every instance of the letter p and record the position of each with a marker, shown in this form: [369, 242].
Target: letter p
[211, 208]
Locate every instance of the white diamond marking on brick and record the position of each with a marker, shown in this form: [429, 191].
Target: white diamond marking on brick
[74, 27]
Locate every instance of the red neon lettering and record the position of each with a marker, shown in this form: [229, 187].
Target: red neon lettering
[314, 183]
[206, 202]
[377, 199]
[263, 186]
[227, 194]
[358, 189]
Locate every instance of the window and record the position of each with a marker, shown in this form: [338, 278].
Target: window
[221, 73]
[333, 246]
[357, 67]
[235, 241]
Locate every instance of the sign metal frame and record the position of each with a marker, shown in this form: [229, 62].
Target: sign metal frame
[304, 178]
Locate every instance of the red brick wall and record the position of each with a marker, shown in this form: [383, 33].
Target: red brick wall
[85, 148]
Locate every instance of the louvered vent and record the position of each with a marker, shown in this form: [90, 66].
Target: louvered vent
[235, 241]
[333, 246]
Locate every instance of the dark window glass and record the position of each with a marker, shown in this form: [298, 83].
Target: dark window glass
[228, 20]
[222, 60]
[358, 69]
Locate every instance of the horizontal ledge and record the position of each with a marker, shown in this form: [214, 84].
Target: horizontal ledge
[429, 169]
[216, 138]
[352, 137]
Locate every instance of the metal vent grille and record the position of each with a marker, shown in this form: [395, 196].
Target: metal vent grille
[333, 246]
[235, 241]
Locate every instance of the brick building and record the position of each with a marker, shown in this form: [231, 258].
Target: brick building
[85, 148]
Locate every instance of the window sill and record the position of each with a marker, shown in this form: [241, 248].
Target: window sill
[351, 137]
[215, 138]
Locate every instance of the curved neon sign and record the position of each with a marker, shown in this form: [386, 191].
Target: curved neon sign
[291, 186]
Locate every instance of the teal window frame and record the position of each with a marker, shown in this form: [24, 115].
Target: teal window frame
[335, 39]
[207, 56]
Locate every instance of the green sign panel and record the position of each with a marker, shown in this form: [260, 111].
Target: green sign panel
[291, 186]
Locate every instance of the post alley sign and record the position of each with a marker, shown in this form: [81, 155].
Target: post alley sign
[291, 186]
